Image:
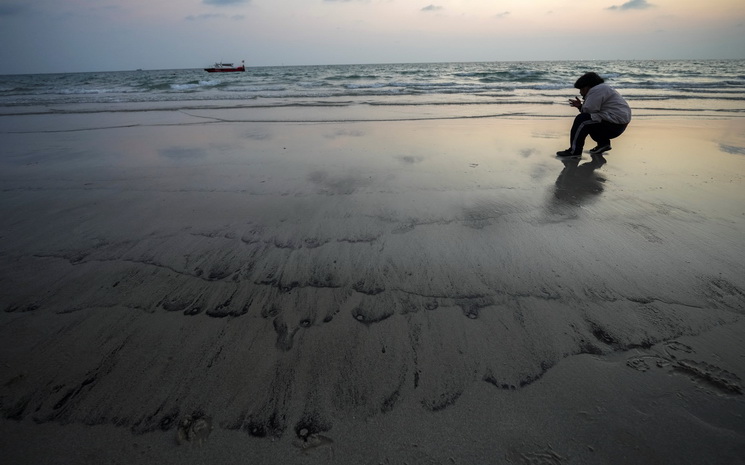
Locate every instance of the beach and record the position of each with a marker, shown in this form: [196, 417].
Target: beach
[369, 285]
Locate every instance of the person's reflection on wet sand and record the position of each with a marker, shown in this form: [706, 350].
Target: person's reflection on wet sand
[577, 183]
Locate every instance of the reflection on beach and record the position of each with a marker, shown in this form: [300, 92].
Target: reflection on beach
[732, 149]
[578, 183]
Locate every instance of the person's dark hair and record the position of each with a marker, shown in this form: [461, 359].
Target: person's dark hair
[588, 80]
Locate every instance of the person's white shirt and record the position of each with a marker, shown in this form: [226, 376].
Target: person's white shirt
[603, 103]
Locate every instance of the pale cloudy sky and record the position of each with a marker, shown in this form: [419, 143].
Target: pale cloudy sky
[99, 35]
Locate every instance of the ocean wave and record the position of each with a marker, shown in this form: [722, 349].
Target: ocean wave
[352, 77]
[195, 85]
[535, 83]
[311, 84]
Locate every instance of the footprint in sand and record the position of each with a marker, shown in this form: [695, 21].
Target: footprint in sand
[671, 347]
[710, 375]
[646, 362]
[308, 441]
[194, 429]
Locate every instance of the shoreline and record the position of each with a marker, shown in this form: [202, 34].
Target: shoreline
[341, 110]
[446, 288]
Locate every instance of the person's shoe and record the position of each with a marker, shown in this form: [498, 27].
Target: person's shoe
[568, 154]
[600, 149]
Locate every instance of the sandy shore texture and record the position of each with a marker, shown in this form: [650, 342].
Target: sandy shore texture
[214, 287]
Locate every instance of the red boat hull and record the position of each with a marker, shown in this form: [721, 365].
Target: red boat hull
[225, 70]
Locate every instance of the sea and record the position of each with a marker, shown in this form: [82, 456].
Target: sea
[698, 88]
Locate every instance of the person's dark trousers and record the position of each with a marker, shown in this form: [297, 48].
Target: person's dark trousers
[601, 132]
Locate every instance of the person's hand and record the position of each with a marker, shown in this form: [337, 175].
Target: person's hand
[576, 103]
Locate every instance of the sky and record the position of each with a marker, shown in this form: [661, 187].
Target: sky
[43, 36]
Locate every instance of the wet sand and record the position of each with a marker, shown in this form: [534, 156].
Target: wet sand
[436, 291]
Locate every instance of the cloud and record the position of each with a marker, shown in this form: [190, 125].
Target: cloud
[432, 8]
[224, 2]
[211, 16]
[632, 5]
[204, 17]
[502, 14]
[13, 9]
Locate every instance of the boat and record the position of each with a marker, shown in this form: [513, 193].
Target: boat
[226, 68]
